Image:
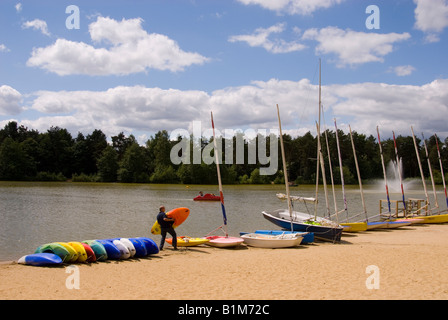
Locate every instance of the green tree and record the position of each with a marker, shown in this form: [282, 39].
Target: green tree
[132, 166]
[15, 163]
[108, 165]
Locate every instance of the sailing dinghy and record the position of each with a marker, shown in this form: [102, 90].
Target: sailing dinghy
[221, 241]
[285, 240]
[322, 228]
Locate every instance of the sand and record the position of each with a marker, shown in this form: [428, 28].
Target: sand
[408, 263]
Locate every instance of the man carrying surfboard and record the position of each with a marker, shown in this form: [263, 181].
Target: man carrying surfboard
[166, 225]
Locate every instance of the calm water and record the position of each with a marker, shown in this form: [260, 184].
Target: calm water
[32, 213]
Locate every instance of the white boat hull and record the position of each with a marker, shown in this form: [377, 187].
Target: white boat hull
[272, 241]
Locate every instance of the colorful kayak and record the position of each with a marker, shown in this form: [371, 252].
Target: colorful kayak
[69, 248]
[179, 215]
[207, 197]
[185, 241]
[56, 249]
[124, 251]
[79, 248]
[140, 248]
[40, 259]
[91, 257]
[150, 245]
[98, 249]
[112, 251]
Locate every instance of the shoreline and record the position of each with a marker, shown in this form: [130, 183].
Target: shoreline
[410, 264]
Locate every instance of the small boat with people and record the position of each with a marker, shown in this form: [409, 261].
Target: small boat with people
[207, 197]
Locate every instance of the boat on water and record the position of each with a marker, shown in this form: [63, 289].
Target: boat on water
[207, 197]
[285, 240]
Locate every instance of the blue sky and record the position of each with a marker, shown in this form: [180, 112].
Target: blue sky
[142, 66]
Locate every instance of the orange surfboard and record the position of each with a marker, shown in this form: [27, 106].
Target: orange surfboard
[179, 215]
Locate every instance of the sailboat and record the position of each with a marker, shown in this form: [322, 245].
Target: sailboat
[388, 222]
[322, 228]
[221, 241]
[428, 218]
[349, 226]
[441, 170]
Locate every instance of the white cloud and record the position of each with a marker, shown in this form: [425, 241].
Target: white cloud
[37, 24]
[402, 71]
[393, 107]
[140, 110]
[431, 17]
[260, 38]
[132, 50]
[303, 7]
[119, 109]
[352, 47]
[10, 100]
[3, 48]
[18, 7]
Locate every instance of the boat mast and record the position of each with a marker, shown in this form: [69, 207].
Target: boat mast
[331, 173]
[441, 169]
[341, 170]
[285, 172]
[219, 178]
[320, 157]
[420, 166]
[359, 175]
[318, 152]
[399, 173]
[384, 171]
[430, 173]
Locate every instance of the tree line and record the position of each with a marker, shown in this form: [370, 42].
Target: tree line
[54, 155]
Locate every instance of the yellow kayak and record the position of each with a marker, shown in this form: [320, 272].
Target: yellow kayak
[73, 253]
[187, 241]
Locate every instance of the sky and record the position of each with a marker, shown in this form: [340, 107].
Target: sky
[141, 66]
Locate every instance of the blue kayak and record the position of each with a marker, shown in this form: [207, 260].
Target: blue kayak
[113, 252]
[140, 248]
[40, 259]
[151, 246]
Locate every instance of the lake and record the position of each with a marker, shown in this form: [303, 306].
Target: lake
[34, 213]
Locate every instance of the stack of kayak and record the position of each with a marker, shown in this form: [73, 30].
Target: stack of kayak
[56, 253]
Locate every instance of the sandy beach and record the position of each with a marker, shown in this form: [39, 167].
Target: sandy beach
[409, 263]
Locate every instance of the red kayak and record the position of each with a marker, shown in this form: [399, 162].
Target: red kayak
[207, 197]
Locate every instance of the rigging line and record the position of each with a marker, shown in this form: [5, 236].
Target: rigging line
[358, 173]
[384, 170]
[341, 170]
[417, 153]
[430, 172]
[219, 176]
[329, 163]
[399, 173]
[441, 169]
